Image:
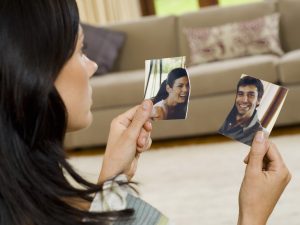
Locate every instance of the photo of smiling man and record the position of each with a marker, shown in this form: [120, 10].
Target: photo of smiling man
[244, 120]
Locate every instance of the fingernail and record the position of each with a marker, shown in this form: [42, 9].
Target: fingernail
[260, 137]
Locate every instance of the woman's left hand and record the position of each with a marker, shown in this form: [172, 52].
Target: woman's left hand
[128, 137]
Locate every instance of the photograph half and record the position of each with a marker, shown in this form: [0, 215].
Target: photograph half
[167, 84]
[256, 107]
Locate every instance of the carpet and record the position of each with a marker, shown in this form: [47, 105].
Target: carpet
[199, 184]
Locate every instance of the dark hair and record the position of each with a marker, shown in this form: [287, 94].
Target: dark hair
[172, 76]
[247, 80]
[36, 40]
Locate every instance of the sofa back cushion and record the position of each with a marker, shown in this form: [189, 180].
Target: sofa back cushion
[215, 16]
[148, 38]
[290, 18]
[102, 46]
[234, 40]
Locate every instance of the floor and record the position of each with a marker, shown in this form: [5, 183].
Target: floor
[196, 180]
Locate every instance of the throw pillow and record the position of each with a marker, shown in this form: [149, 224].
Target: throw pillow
[233, 40]
[102, 46]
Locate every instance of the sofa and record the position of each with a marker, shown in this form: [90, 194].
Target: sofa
[213, 84]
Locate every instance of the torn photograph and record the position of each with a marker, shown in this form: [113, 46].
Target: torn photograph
[167, 84]
[256, 107]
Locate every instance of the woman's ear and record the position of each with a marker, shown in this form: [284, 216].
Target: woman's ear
[168, 89]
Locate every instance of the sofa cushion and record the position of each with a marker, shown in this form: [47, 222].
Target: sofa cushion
[289, 68]
[215, 16]
[234, 40]
[102, 46]
[290, 17]
[118, 89]
[221, 77]
[147, 38]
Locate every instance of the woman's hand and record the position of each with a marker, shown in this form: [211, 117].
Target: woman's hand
[129, 136]
[265, 179]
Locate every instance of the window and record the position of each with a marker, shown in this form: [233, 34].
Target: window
[236, 2]
[167, 7]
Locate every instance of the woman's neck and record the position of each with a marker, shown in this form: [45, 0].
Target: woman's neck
[171, 103]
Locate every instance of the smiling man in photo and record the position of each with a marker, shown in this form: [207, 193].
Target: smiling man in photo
[242, 122]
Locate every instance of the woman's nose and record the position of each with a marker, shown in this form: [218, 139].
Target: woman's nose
[92, 66]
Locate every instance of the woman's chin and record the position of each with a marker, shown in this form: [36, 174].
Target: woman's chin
[80, 123]
[182, 100]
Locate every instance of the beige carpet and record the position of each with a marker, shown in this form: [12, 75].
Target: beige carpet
[199, 184]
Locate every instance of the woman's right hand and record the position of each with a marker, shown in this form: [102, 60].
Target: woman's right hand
[265, 179]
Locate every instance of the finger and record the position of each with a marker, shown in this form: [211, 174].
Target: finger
[146, 147]
[125, 120]
[141, 116]
[274, 158]
[257, 152]
[148, 126]
[142, 139]
[126, 117]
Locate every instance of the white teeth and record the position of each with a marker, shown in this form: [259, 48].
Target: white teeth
[244, 106]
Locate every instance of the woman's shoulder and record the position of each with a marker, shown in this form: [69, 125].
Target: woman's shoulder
[161, 103]
[159, 110]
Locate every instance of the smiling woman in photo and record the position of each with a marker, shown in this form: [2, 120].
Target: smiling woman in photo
[171, 101]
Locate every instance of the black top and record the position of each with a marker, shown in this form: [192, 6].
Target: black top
[244, 134]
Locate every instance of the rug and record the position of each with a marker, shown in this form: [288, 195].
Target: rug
[199, 184]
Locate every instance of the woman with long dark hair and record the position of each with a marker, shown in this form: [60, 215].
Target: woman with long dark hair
[171, 100]
[44, 92]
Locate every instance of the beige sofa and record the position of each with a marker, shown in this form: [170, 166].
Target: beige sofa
[213, 84]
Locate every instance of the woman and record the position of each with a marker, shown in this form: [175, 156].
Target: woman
[45, 91]
[44, 79]
[171, 101]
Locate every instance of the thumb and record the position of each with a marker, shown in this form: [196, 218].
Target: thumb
[141, 116]
[246, 159]
[257, 152]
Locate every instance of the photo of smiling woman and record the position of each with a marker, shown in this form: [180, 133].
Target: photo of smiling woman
[171, 101]
[256, 108]
[167, 85]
